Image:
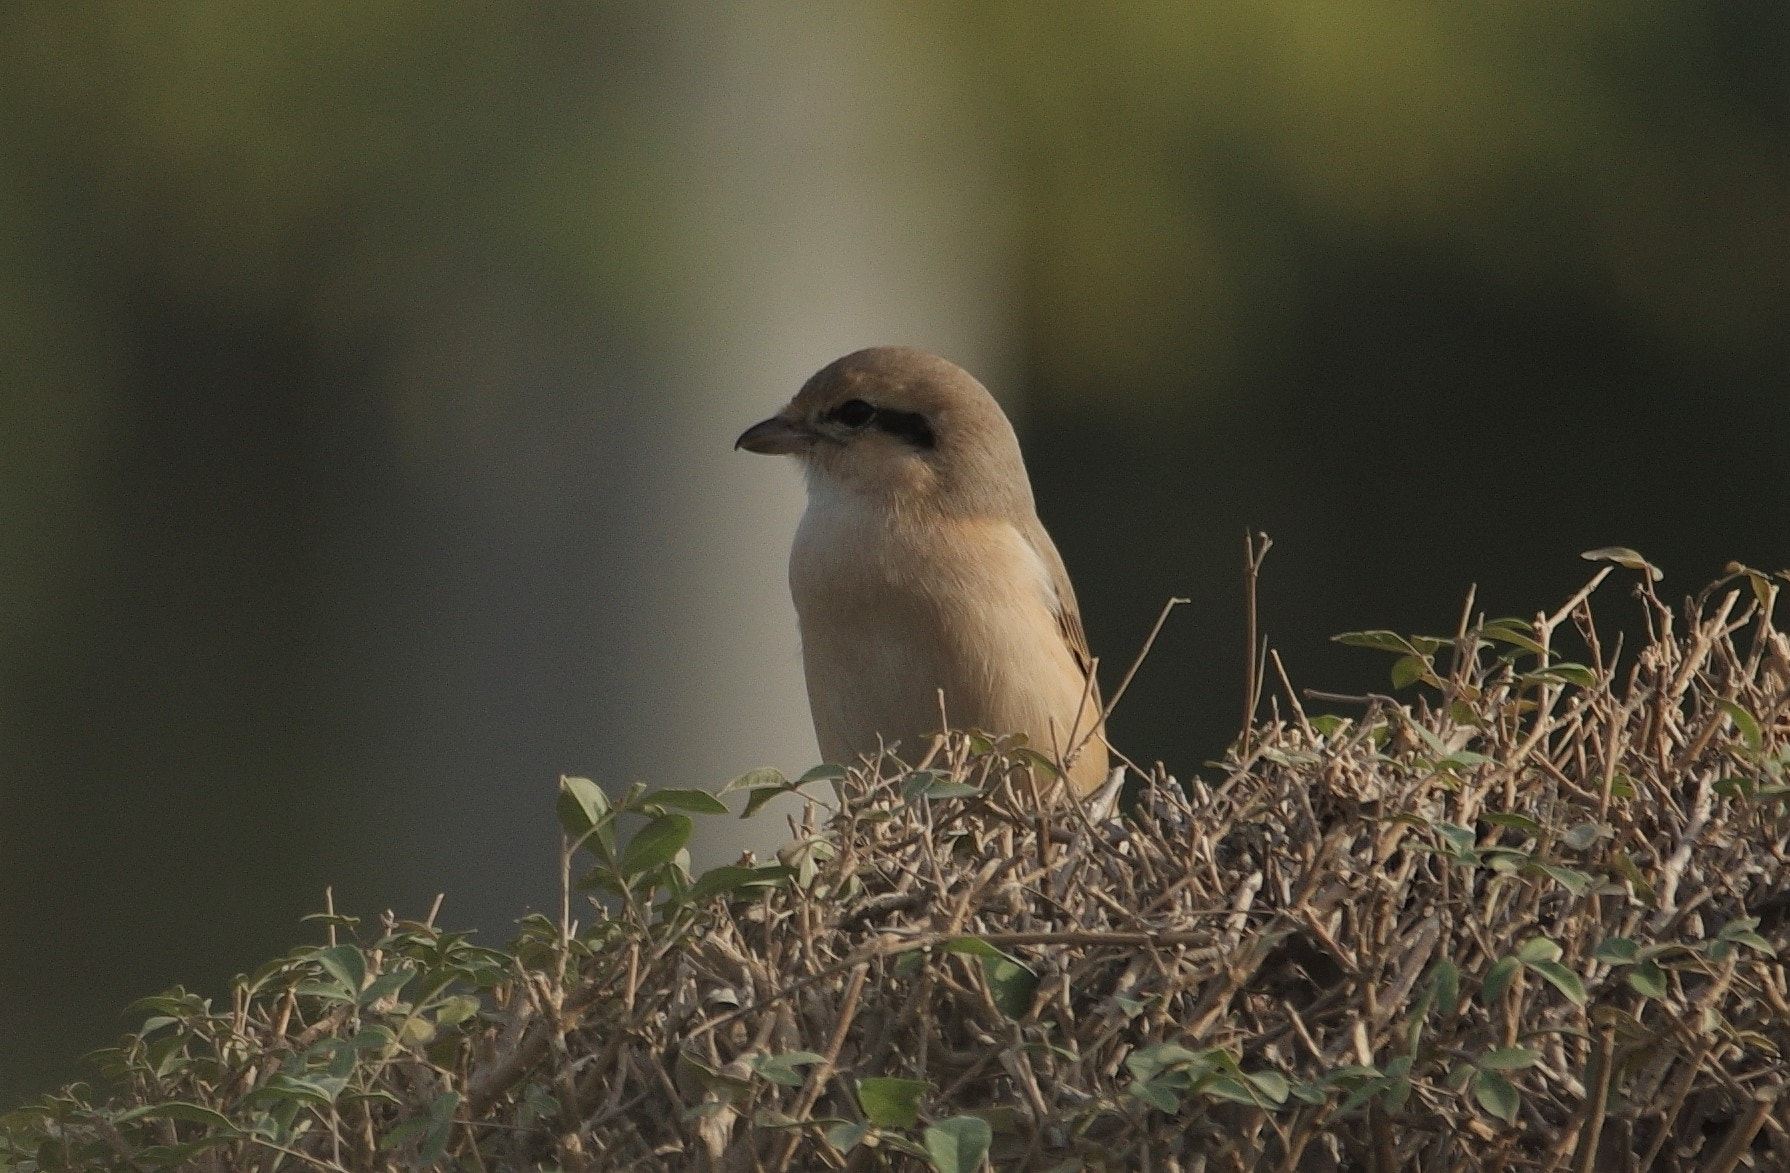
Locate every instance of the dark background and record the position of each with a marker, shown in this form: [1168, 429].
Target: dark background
[370, 371]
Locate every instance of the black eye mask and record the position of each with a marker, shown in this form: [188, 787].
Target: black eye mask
[909, 426]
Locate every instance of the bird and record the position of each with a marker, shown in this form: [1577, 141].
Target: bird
[920, 568]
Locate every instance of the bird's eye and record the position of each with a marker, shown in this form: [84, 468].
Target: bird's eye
[854, 413]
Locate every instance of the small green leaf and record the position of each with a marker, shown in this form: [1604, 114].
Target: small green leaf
[1565, 673]
[1562, 979]
[581, 805]
[655, 844]
[1011, 985]
[1408, 670]
[958, 1144]
[1617, 951]
[1514, 821]
[456, 1010]
[944, 790]
[1162, 1094]
[821, 773]
[1380, 641]
[1515, 632]
[1746, 723]
[346, 964]
[1272, 1085]
[756, 800]
[1497, 980]
[764, 778]
[1648, 980]
[1446, 982]
[1583, 835]
[891, 1103]
[177, 1110]
[1509, 1058]
[846, 1137]
[1737, 787]
[1458, 837]
[1146, 1062]
[1624, 557]
[1538, 949]
[1497, 1095]
[781, 1069]
[733, 877]
[700, 801]
[1631, 874]
[1574, 881]
[1752, 941]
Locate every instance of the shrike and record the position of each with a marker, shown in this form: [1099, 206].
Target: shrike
[920, 567]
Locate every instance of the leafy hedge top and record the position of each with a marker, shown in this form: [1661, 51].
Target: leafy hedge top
[1528, 920]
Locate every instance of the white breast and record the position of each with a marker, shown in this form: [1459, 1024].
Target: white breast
[895, 610]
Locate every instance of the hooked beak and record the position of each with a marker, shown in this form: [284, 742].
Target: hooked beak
[776, 437]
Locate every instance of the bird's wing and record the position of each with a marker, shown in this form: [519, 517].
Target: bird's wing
[1068, 613]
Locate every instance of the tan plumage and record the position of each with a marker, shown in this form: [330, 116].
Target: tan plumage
[920, 565]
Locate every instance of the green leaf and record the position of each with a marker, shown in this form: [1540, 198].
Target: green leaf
[1011, 984]
[1515, 632]
[1408, 670]
[1584, 835]
[1565, 673]
[958, 1144]
[1497, 1095]
[764, 778]
[1391, 641]
[1458, 837]
[781, 1069]
[178, 1110]
[1272, 1084]
[1446, 982]
[846, 1137]
[1562, 979]
[1576, 882]
[891, 1103]
[581, 805]
[1497, 980]
[1737, 787]
[346, 964]
[944, 790]
[1162, 1094]
[1631, 874]
[1648, 980]
[700, 801]
[1617, 951]
[1538, 949]
[655, 844]
[756, 800]
[1750, 939]
[732, 877]
[1514, 821]
[1146, 1062]
[1746, 723]
[456, 1010]
[823, 772]
[1624, 557]
[1509, 1058]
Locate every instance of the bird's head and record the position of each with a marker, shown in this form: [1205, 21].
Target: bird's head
[902, 426]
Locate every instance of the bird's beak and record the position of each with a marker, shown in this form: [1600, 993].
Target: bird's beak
[775, 437]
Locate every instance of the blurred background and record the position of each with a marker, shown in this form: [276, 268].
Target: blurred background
[370, 372]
